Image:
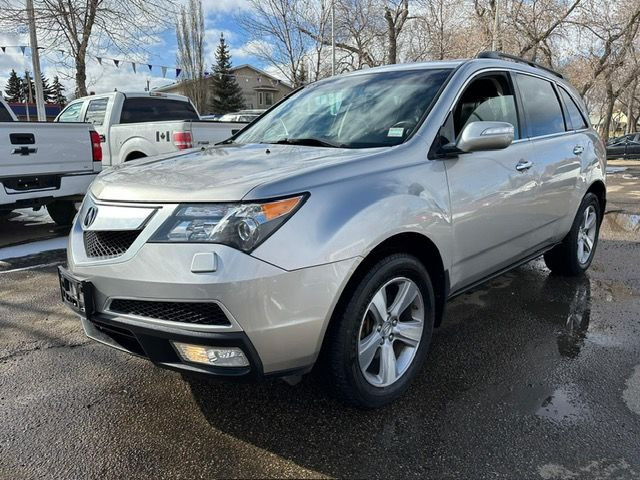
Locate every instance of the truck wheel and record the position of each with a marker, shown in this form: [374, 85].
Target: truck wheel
[62, 212]
[380, 337]
[574, 255]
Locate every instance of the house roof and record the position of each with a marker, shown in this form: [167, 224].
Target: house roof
[233, 69]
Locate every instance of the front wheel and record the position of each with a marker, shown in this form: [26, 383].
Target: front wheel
[574, 255]
[380, 338]
[62, 212]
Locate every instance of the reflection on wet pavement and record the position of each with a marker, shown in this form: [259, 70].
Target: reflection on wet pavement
[623, 222]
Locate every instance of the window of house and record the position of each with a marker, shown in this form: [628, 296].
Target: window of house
[265, 98]
[541, 106]
[577, 120]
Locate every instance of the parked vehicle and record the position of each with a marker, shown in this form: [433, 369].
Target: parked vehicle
[44, 164]
[243, 116]
[138, 125]
[627, 146]
[334, 228]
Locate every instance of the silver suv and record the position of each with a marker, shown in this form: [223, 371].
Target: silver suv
[333, 229]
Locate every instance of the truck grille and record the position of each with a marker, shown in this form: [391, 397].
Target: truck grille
[202, 313]
[108, 244]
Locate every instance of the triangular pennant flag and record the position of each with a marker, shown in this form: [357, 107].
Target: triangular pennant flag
[23, 49]
[164, 71]
[133, 65]
[116, 62]
[150, 67]
[178, 70]
[4, 49]
[62, 52]
[99, 60]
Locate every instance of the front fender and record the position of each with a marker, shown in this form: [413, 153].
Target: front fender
[349, 218]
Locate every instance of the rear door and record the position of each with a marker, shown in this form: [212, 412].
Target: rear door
[556, 151]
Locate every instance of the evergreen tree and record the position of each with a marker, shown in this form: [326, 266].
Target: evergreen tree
[58, 92]
[13, 90]
[47, 91]
[226, 93]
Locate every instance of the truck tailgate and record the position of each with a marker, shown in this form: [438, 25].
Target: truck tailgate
[41, 148]
[210, 133]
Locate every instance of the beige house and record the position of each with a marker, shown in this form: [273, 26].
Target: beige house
[259, 89]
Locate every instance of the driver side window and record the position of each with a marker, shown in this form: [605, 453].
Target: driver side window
[489, 98]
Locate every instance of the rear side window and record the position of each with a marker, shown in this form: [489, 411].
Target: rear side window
[96, 111]
[150, 109]
[5, 116]
[577, 120]
[71, 113]
[541, 106]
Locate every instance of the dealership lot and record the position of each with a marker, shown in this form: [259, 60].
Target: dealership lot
[530, 376]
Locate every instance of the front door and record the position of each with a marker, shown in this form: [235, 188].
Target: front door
[491, 191]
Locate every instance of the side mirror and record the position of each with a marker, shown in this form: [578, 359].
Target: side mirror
[477, 136]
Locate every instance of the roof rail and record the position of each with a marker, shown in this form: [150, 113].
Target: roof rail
[513, 58]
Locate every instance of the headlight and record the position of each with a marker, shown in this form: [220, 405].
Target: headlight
[241, 225]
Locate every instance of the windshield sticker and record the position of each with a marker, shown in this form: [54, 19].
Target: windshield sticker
[395, 132]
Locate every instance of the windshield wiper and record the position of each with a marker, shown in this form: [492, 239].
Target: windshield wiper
[311, 141]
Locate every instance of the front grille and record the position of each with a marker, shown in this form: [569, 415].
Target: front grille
[186, 312]
[108, 244]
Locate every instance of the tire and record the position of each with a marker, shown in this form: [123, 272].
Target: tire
[5, 214]
[567, 258]
[355, 326]
[62, 212]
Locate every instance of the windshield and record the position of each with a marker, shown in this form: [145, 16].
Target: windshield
[359, 111]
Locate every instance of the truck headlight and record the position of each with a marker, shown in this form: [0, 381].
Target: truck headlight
[240, 225]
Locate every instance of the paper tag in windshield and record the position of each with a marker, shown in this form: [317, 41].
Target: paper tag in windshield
[395, 132]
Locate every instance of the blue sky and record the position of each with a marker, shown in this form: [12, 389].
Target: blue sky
[219, 17]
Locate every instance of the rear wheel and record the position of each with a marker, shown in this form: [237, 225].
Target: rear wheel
[381, 336]
[62, 211]
[574, 255]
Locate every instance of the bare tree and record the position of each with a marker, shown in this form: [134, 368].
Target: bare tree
[190, 57]
[91, 27]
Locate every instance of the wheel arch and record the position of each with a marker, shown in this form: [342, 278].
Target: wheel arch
[134, 155]
[599, 189]
[411, 243]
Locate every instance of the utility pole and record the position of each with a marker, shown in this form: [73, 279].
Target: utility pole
[333, 37]
[35, 57]
[496, 23]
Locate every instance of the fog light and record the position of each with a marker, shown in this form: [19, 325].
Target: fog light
[216, 356]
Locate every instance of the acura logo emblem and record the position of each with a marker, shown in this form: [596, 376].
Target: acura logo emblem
[90, 217]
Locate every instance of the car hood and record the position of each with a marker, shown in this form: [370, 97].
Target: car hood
[224, 173]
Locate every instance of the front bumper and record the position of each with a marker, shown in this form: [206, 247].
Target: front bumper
[277, 317]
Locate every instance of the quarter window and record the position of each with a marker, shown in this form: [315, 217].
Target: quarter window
[541, 106]
[577, 120]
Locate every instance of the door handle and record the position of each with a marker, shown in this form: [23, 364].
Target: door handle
[524, 165]
[578, 149]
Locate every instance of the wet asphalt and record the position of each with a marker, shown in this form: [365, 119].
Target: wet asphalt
[530, 376]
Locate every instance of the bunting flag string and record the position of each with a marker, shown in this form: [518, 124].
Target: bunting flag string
[134, 65]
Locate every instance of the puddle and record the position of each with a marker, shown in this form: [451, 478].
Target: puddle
[559, 407]
[611, 170]
[623, 222]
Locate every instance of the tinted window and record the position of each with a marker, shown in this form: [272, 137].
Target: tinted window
[541, 106]
[5, 116]
[487, 99]
[96, 111]
[577, 120]
[71, 113]
[150, 109]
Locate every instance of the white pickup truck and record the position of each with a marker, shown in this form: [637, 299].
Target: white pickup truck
[137, 125]
[46, 164]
